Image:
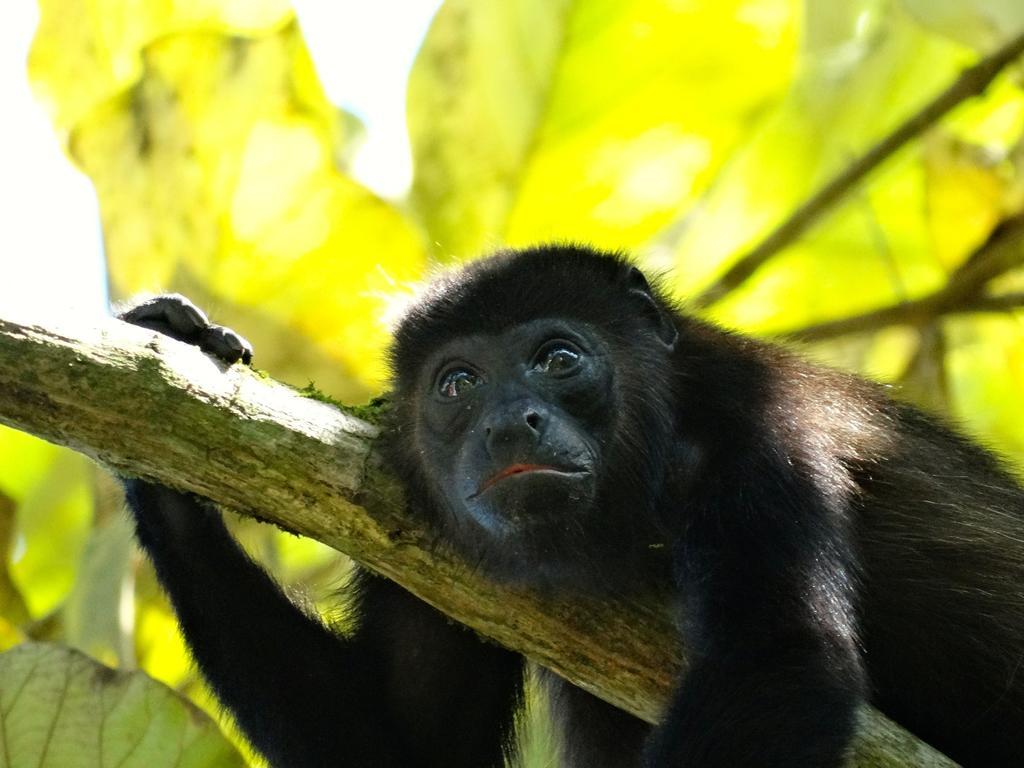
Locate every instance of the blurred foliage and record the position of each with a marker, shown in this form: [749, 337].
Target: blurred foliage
[683, 130]
[594, 121]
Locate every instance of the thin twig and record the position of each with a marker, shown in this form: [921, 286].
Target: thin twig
[1007, 302]
[962, 293]
[972, 82]
[917, 312]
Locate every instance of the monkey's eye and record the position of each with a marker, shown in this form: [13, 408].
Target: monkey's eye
[558, 358]
[456, 382]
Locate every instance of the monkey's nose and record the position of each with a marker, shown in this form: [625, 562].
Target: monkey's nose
[519, 426]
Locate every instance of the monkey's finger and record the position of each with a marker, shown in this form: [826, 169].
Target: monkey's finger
[225, 344]
[171, 314]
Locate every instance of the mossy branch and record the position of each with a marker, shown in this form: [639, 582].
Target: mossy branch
[149, 406]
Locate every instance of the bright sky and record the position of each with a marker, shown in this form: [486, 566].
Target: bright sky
[363, 52]
[50, 240]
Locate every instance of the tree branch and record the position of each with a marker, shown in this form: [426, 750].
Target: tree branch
[972, 81]
[144, 404]
[962, 293]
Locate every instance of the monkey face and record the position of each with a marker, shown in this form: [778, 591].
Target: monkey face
[510, 426]
[535, 416]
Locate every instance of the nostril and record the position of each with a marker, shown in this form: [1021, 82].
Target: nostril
[533, 419]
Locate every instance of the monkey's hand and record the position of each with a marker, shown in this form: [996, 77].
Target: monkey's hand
[168, 520]
[173, 315]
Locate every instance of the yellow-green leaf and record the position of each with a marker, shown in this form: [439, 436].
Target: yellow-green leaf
[86, 52]
[982, 24]
[93, 611]
[855, 86]
[596, 120]
[965, 192]
[60, 709]
[51, 489]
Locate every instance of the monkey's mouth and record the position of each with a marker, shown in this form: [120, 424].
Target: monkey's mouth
[512, 470]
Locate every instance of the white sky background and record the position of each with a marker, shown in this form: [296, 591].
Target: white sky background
[50, 240]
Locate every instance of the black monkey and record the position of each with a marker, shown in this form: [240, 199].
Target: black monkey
[560, 423]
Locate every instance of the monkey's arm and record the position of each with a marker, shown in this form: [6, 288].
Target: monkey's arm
[408, 688]
[776, 676]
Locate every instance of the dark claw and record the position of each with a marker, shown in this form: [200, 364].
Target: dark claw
[175, 316]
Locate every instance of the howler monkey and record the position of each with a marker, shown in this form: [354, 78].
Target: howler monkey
[561, 423]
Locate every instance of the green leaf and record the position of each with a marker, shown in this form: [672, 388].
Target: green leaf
[61, 709]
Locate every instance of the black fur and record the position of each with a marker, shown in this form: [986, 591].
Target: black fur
[561, 424]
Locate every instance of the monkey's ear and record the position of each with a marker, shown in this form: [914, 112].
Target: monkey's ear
[638, 287]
